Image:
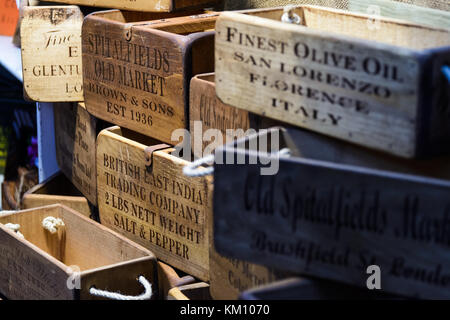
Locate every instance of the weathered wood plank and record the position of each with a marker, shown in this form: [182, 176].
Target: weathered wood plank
[75, 134]
[51, 53]
[153, 204]
[144, 86]
[333, 220]
[336, 76]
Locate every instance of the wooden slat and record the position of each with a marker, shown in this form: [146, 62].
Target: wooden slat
[75, 135]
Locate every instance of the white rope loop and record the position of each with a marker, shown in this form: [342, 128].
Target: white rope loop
[193, 169]
[51, 224]
[285, 152]
[117, 296]
[15, 228]
[289, 16]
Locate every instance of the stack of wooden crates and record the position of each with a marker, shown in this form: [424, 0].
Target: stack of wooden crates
[352, 191]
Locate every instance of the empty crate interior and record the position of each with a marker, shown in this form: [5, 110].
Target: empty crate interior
[80, 242]
[364, 27]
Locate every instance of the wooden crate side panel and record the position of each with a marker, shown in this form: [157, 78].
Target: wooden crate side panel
[347, 218]
[28, 273]
[51, 53]
[141, 89]
[291, 77]
[158, 208]
[75, 134]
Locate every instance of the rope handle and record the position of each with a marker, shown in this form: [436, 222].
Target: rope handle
[51, 224]
[193, 168]
[117, 296]
[15, 228]
[289, 16]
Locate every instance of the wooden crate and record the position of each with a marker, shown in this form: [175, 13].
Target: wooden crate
[382, 88]
[143, 195]
[75, 134]
[51, 53]
[206, 112]
[145, 6]
[309, 289]
[41, 265]
[57, 189]
[343, 207]
[146, 89]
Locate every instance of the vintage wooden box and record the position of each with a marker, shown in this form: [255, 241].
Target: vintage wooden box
[75, 135]
[57, 189]
[333, 74]
[145, 5]
[137, 71]
[331, 211]
[51, 266]
[51, 53]
[143, 194]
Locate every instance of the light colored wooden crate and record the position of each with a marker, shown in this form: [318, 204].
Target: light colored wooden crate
[51, 53]
[337, 75]
[57, 189]
[145, 88]
[143, 194]
[41, 265]
[144, 5]
[75, 134]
